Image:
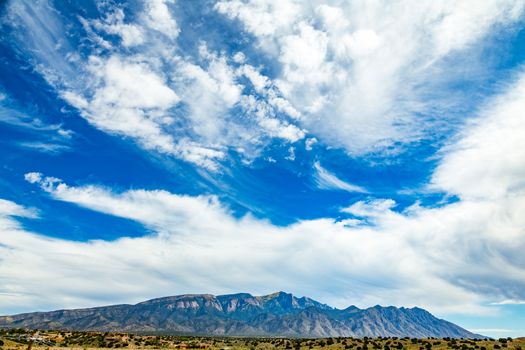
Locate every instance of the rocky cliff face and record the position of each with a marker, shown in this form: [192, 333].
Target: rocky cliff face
[277, 314]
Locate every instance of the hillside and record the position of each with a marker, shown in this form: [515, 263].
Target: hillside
[277, 314]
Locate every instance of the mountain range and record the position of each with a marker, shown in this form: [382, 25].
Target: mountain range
[277, 314]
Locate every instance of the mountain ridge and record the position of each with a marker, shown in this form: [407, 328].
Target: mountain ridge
[242, 314]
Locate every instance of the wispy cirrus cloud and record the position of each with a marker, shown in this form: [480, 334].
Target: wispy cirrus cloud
[509, 302]
[371, 208]
[367, 86]
[37, 134]
[493, 330]
[131, 79]
[364, 82]
[327, 181]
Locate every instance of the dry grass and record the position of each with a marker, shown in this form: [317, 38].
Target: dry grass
[55, 340]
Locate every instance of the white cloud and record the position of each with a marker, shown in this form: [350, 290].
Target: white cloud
[37, 135]
[200, 230]
[372, 208]
[291, 154]
[129, 84]
[328, 181]
[145, 89]
[509, 302]
[402, 260]
[129, 99]
[265, 116]
[33, 177]
[261, 17]
[9, 208]
[259, 81]
[239, 57]
[212, 89]
[53, 63]
[158, 17]
[489, 160]
[464, 23]
[309, 143]
[303, 55]
[492, 330]
[361, 80]
[130, 34]
[346, 73]
[44, 147]
[209, 93]
[157, 209]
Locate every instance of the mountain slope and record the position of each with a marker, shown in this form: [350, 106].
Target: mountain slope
[277, 314]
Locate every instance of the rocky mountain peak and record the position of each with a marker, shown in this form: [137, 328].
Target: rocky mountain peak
[242, 314]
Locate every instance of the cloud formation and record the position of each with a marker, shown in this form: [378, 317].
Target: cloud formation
[455, 258]
[361, 82]
[328, 181]
[131, 79]
[128, 99]
[360, 79]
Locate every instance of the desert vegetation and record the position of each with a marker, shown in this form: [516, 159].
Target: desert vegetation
[22, 339]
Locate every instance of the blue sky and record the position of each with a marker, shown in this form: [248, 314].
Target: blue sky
[354, 152]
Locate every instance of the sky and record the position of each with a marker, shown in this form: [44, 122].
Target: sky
[355, 152]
